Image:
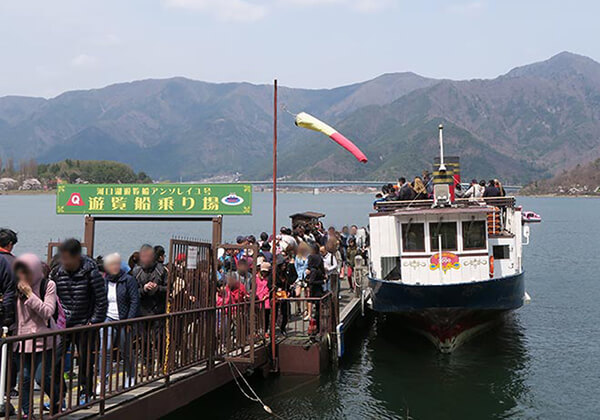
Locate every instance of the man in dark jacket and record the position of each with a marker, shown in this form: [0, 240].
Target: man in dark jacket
[491, 190]
[8, 240]
[405, 192]
[151, 277]
[82, 294]
[7, 293]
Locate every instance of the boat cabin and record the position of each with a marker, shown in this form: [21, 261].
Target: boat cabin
[308, 218]
[468, 242]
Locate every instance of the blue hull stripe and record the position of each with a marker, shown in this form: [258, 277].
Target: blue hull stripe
[505, 293]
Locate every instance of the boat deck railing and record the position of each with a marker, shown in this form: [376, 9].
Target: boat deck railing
[390, 206]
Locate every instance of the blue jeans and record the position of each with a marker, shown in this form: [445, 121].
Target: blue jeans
[124, 339]
[36, 369]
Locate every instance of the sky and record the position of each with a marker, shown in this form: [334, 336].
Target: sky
[51, 46]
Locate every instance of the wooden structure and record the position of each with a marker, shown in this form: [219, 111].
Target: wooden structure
[309, 218]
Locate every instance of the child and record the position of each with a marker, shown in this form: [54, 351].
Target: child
[263, 280]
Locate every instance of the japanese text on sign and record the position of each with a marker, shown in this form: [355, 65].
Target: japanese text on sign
[192, 199]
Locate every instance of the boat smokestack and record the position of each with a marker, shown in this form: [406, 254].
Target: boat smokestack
[441, 130]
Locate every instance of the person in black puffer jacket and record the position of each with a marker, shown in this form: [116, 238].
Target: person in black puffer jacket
[82, 294]
[8, 239]
[151, 278]
[7, 291]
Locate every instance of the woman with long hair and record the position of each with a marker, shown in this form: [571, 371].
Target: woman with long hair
[420, 190]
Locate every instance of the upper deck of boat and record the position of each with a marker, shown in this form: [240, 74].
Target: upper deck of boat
[466, 205]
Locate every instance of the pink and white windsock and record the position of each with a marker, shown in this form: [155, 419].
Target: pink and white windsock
[305, 120]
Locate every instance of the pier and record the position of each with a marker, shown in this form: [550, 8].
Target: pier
[193, 349]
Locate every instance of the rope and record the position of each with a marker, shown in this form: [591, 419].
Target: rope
[256, 398]
[284, 108]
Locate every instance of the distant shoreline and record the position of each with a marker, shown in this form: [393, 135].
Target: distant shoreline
[22, 192]
[560, 195]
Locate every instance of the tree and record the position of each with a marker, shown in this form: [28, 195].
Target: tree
[10, 167]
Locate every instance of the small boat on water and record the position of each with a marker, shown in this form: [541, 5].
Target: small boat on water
[531, 217]
[447, 267]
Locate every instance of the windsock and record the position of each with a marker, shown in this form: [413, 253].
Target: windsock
[305, 120]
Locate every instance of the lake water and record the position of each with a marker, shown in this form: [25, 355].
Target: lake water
[543, 363]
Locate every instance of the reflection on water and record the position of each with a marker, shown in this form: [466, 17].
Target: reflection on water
[392, 374]
[485, 378]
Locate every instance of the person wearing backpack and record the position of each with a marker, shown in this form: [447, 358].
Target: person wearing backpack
[36, 310]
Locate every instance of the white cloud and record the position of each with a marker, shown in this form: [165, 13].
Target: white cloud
[371, 5]
[84, 60]
[363, 6]
[312, 2]
[467, 9]
[229, 10]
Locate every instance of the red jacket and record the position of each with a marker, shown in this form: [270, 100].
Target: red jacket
[236, 295]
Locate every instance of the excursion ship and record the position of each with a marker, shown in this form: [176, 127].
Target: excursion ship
[448, 267]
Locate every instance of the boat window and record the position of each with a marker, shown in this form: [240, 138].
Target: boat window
[473, 234]
[390, 268]
[413, 237]
[448, 232]
[501, 252]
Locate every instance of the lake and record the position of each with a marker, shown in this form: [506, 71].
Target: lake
[542, 363]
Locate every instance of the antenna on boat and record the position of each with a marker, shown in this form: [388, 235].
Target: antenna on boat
[442, 181]
[441, 130]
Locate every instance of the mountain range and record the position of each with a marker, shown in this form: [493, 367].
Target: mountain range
[532, 122]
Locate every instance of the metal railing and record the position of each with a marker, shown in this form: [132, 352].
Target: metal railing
[309, 316]
[86, 366]
[383, 206]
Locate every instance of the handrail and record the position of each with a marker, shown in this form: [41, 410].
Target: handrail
[507, 201]
[147, 350]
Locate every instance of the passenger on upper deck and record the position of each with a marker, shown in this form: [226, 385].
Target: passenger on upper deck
[491, 190]
[420, 189]
[428, 181]
[475, 190]
[500, 188]
[406, 191]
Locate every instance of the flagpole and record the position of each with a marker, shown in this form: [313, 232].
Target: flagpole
[273, 249]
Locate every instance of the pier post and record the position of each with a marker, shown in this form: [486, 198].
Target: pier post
[335, 290]
[89, 231]
[217, 236]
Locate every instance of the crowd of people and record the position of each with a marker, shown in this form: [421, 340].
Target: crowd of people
[75, 290]
[304, 258]
[421, 188]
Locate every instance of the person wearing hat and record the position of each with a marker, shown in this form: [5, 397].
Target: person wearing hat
[263, 290]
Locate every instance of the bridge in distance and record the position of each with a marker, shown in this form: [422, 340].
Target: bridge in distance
[323, 184]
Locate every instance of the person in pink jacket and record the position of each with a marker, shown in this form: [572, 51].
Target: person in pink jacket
[263, 286]
[34, 316]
